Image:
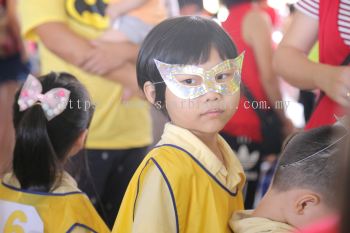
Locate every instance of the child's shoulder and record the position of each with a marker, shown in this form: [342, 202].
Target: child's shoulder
[169, 153]
[171, 159]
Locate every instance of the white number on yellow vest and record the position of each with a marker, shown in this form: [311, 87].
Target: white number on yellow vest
[19, 218]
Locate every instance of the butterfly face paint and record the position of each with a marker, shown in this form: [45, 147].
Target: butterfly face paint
[190, 81]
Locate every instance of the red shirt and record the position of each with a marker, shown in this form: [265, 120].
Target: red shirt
[245, 122]
[334, 48]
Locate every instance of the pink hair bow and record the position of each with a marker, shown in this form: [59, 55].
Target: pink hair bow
[53, 102]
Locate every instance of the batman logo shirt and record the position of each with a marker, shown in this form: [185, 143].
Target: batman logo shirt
[89, 12]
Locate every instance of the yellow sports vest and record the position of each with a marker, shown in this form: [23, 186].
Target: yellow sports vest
[201, 203]
[24, 211]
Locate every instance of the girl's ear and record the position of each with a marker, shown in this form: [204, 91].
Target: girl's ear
[79, 143]
[150, 92]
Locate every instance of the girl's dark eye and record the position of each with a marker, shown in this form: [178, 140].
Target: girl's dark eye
[220, 77]
[223, 77]
[189, 81]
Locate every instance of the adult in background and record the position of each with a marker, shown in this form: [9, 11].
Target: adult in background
[249, 26]
[121, 130]
[328, 22]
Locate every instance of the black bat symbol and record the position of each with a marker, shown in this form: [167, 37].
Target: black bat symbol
[99, 8]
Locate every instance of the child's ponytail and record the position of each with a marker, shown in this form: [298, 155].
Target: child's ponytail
[34, 162]
[47, 125]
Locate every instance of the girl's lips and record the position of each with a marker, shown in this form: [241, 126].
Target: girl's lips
[213, 112]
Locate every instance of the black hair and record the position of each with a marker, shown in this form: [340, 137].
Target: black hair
[345, 208]
[312, 160]
[42, 146]
[181, 40]
[345, 189]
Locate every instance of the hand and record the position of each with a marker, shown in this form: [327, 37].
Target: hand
[126, 76]
[337, 86]
[103, 58]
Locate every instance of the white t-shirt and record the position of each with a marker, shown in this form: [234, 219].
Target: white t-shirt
[311, 8]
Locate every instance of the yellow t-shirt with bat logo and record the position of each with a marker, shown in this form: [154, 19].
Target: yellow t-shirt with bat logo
[115, 125]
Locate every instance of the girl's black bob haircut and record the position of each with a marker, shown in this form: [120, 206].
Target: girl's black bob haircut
[181, 40]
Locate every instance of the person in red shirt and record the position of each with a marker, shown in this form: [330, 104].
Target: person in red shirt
[249, 26]
[328, 22]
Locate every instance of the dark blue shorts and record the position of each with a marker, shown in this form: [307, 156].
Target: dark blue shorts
[12, 68]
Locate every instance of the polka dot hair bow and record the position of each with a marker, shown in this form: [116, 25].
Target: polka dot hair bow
[53, 102]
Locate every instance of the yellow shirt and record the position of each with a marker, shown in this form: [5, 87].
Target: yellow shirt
[152, 12]
[115, 125]
[65, 209]
[154, 207]
[243, 222]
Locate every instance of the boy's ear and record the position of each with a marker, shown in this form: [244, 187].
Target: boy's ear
[150, 91]
[305, 202]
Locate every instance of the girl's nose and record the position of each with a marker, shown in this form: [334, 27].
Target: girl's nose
[212, 95]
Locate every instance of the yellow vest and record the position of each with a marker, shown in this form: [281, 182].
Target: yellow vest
[201, 203]
[24, 211]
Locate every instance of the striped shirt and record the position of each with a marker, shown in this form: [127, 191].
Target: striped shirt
[311, 8]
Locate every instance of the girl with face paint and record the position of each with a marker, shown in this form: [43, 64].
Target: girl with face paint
[191, 181]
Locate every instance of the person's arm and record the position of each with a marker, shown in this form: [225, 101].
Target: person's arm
[46, 21]
[63, 42]
[292, 64]
[14, 26]
[106, 57]
[110, 60]
[291, 56]
[122, 7]
[130, 84]
[154, 209]
[257, 33]
[95, 57]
